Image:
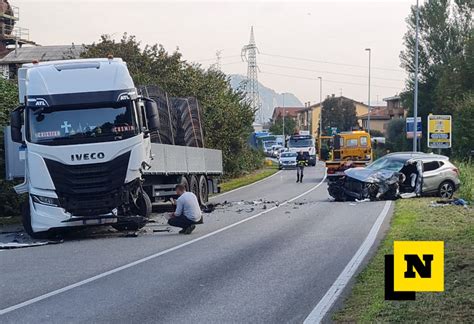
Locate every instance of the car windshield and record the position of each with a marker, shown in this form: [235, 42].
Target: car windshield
[386, 163]
[288, 154]
[304, 142]
[66, 125]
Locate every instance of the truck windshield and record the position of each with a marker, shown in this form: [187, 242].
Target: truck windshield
[304, 142]
[66, 125]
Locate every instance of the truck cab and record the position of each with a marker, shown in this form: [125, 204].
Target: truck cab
[305, 144]
[349, 149]
[84, 140]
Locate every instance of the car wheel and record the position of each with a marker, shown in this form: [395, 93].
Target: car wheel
[446, 190]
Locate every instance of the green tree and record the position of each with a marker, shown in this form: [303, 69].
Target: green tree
[9, 200]
[339, 112]
[396, 139]
[227, 120]
[445, 58]
[277, 127]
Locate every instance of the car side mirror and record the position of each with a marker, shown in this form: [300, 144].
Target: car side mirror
[152, 116]
[16, 121]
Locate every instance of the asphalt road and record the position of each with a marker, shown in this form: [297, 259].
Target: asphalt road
[258, 258]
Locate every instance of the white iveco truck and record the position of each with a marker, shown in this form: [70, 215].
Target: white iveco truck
[81, 141]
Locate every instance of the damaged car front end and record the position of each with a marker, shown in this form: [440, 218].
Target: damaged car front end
[384, 179]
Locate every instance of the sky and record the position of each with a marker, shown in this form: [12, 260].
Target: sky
[298, 41]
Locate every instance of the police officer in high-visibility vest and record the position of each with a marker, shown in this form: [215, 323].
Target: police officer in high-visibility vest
[301, 162]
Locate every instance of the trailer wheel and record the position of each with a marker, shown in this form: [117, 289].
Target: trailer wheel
[26, 221]
[185, 182]
[194, 185]
[203, 190]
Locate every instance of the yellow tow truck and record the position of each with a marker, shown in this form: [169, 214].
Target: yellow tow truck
[345, 150]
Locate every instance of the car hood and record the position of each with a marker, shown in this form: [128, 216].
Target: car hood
[288, 159]
[371, 176]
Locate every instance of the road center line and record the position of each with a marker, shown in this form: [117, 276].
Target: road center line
[325, 304]
[153, 256]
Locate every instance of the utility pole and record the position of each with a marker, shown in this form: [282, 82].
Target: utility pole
[249, 54]
[368, 101]
[284, 113]
[415, 96]
[218, 60]
[320, 106]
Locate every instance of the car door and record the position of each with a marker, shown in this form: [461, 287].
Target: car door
[431, 176]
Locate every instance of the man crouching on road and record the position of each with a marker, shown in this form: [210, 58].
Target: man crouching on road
[188, 211]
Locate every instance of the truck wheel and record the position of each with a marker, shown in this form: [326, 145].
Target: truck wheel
[203, 190]
[143, 208]
[194, 185]
[185, 182]
[26, 221]
[144, 205]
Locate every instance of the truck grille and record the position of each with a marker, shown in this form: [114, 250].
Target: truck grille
[90, 189]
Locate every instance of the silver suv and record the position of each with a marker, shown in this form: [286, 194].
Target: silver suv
[440, 176]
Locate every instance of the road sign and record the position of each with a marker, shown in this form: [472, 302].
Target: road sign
[410, 128]
[439, 131]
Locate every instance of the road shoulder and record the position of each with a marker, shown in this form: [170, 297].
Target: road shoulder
[414, 220]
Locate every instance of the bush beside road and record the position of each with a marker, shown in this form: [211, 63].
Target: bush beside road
[249, 178]
[414, 220]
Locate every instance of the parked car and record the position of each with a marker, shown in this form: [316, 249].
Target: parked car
[398, 173]
[287, 160]
[276, 150]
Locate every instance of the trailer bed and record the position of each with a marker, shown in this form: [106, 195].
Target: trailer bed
[173, 159]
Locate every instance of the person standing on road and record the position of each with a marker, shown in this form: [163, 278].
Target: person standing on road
[188, 212]
[301, 162]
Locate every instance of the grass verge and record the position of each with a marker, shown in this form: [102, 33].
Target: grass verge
[247, 179]
[415, 220]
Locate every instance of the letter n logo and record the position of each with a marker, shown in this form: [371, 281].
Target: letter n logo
[415, 263]
[418, 265]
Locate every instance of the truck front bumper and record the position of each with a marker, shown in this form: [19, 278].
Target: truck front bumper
[44, 218]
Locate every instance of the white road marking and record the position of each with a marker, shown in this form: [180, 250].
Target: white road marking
[325, 304]
[250, 184]
[153, 256]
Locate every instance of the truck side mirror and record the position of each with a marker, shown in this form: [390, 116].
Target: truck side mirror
[16, 121]
[151, 109]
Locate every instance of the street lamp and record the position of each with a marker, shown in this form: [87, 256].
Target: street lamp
[368, 101]
[415, 96]
[320, 106]
[284, 113]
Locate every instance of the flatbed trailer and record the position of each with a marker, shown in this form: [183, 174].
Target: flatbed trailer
[191, 166]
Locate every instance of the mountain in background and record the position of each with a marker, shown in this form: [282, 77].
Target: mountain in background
[269, 97]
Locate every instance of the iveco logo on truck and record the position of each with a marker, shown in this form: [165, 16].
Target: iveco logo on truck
[87, 156]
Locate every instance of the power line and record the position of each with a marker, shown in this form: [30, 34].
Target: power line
[213, 59]
[329, 62]
[326, 80]
[319, 71]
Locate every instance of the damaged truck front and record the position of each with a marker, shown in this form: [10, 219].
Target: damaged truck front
[81, 139]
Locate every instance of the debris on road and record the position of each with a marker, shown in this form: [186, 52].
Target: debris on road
[19, 239]
[162, 230]
[449, 202]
